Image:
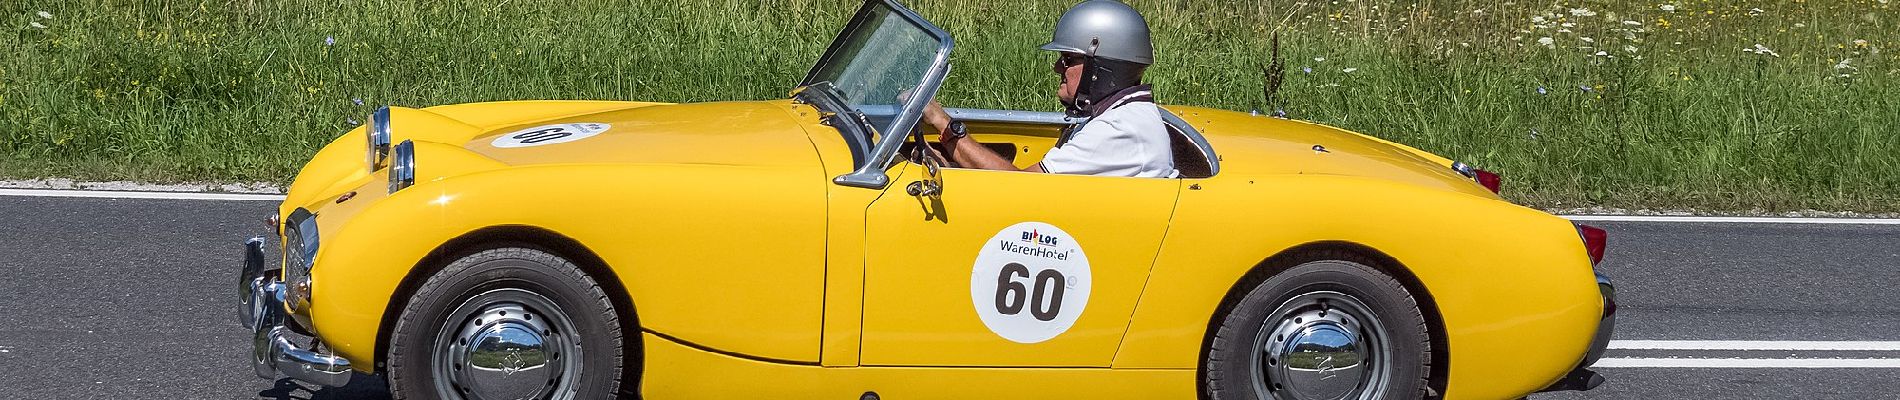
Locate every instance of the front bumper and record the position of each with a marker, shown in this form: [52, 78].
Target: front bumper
[1583, 378]
[273, 350]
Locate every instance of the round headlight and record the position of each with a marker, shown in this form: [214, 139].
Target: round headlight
[378, 135]
[402, 166]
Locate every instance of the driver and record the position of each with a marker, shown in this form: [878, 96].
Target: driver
[1102, 48]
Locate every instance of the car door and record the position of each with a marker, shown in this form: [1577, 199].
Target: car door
[1008, 268]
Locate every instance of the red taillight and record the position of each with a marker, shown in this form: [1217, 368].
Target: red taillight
[1489, 180]
[1594, 241]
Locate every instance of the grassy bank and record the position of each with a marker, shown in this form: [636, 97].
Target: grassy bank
[1652, 104]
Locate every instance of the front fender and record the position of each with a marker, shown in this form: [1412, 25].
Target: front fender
[670, 232]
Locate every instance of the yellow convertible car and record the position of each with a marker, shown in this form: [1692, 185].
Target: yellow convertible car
[807, 248]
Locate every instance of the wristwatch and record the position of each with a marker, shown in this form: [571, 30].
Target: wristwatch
[954, 131]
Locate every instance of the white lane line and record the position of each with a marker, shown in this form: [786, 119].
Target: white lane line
[141, 195]
[1771, 345]
[1734, 220]
[1748, 363]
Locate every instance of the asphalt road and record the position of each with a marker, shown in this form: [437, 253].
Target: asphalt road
[122, 298]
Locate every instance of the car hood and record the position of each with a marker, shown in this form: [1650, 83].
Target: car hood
[460, 139]
[728, 133]
[1250, 144]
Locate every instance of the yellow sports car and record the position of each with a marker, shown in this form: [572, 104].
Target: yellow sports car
[810, 248]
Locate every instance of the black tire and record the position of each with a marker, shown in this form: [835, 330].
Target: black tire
[423, 361]
[1314, 302]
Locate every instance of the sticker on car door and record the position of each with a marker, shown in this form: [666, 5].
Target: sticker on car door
[1030, 282]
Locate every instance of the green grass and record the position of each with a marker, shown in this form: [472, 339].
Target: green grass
[247, 90]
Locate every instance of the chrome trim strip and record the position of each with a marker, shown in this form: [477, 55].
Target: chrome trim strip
[1207, 150]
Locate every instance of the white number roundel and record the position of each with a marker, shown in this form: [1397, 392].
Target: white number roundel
[1030, 282]
[550, 134]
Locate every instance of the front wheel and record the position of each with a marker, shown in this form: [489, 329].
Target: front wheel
[1327, 329]
[507, 323]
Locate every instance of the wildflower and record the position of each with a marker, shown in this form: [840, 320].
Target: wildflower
[1349, 70]
[1319, 59]
[1632, 23]
[1547, 41]
[352, 121]
[1755, 11]
[1279, 113]
[1860, 43]
[358, 101]
[45, 15]
[1587, 39]
[1668, 7]
[1582, 12]
[1306, 69]
[329, 40]
[1800, 25]
[1567, 25]
[1601, 53]
[1585, 88]
[1533, 133]
[1538, 19]
[36, 25]
[1540, 90]
[1629, 48]
[1843, 64]
[1762, 50]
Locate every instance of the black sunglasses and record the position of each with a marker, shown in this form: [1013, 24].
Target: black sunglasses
[1066, 60]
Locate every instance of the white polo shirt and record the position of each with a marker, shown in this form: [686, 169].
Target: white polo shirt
[1128, 139]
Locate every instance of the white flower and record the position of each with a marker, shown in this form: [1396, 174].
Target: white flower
[1349, 70]
[1860, 42]
[1538, 19]
[1319, 59]
[1582, 12]
[1568, 25]
[37, 25]
[1632, 23]
[1587, 39]
[1762, 50]
[45, 15]
[1601, 53]
[1755, 11]
[1629, 48]
[1800, 25]
[1843, 64]
[1563, 31]
[1668, 7]
[1546, 41]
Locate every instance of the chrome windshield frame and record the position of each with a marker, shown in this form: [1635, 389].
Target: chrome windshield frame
[870, 172]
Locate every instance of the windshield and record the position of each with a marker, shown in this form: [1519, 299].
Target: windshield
[881, 59]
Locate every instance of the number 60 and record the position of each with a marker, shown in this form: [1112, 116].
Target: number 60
[1010, 293]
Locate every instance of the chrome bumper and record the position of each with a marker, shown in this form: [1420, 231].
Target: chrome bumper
[1583, 378]
[272, 348]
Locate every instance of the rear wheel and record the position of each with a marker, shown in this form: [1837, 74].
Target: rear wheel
[1327, 329]
[507, 323]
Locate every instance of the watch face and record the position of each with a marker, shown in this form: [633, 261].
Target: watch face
[956, 129]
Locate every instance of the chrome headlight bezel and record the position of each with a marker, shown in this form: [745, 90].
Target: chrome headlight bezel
[402, 166]
[378, 137]
[301, 241]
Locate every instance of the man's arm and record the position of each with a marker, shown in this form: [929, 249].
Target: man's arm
[967, 152]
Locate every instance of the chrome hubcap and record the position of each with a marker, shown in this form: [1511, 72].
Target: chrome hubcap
[1320, 345]
[510, 344]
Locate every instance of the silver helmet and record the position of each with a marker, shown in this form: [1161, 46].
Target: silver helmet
[1106, 29]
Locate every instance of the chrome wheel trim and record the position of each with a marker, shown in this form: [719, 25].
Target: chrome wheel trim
[1321, 345]
[507, 344]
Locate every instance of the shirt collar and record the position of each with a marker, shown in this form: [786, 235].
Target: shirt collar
[1125, 96]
